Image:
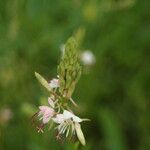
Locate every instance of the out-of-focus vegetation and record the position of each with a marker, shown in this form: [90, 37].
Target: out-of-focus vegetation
[114, 93]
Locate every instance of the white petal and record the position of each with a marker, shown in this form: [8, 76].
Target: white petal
[80, 134]
[68, 115]
[46, 119]
[77, 119]
[43, 108]
[59, 118]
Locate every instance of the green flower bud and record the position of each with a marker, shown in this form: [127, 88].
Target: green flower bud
[69, 69]
[42, 81]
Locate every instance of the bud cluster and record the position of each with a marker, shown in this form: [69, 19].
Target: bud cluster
[69, 69]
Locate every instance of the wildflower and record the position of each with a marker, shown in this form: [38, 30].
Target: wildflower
[69, 124]
[46, 112]
[54, 83]
[88, 58]
[61, 90]
[61, 118]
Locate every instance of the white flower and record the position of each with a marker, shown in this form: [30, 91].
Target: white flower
[69, 115]
[69, 124]
[88, 58]
[54, 83]
[60, 118]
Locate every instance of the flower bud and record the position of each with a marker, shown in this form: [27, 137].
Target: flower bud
[42, 81]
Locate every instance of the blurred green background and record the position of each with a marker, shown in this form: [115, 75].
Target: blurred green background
[114, 93]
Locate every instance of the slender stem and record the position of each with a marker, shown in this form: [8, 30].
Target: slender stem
[73, 102]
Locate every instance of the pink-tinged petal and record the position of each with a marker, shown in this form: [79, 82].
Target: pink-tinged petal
[46, 113]
[43, 108]
[54, 83]
[49, 113]
[46, 119]
[50, 101]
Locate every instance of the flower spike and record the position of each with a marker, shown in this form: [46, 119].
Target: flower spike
[57, 113]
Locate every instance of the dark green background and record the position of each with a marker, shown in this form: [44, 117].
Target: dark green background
[114, 93]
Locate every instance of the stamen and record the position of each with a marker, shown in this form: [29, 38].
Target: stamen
[40, 128]
[33, 120]
[59, 138]
[68, 131]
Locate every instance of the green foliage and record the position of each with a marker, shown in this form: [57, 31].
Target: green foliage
[111, 129]
[116, 31]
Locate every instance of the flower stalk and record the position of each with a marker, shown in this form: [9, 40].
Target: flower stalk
[58, 113]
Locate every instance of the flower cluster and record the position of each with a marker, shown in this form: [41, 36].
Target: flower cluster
[58, 112]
